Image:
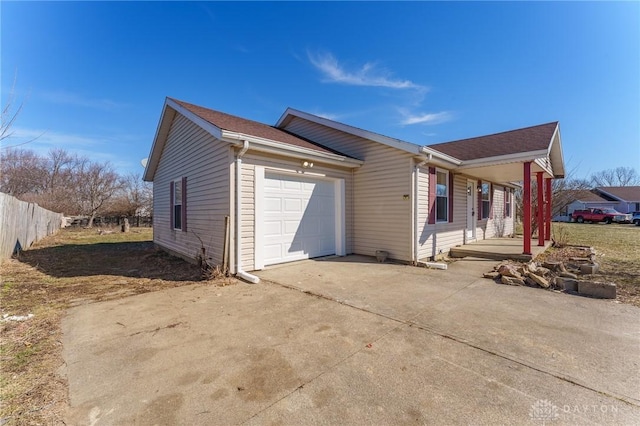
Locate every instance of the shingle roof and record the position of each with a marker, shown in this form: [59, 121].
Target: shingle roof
[533, 138]
[253, 128]
[584, 195]
[626, 193]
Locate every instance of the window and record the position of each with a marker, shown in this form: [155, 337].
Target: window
[507, 202]
[486, 200]
[442, 196]
[177, 204]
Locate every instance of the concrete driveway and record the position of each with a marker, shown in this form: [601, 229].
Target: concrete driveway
[362, 343]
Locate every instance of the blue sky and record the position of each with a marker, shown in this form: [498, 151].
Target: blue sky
[92, 76]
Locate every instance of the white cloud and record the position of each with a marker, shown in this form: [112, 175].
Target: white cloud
[425, 118]
[327, 115]
[367, 75]
[68, 98]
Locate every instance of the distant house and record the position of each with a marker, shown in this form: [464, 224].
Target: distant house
[581, 199]
[626, 198]
[308, 187]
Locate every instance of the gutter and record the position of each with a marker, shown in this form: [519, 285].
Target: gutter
[273, 147]
[238, 229]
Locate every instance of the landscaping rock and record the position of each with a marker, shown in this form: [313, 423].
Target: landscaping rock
[532, 267]
[589, 269]
[511, 280]
[531, 283]
[567, 284]
[568, 275]
[491, 275]
[597, 289]
[509, 271]
[554, 266]
[539, 280]
[542, 271]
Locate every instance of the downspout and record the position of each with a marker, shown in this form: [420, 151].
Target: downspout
[239, 272]
[416, 234]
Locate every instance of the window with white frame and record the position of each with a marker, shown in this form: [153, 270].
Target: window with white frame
[442, 196]
[486, 199]
[177, 204]
[507, 202]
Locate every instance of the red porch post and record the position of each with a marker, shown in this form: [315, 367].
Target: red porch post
[526, 209]
[540, 208]
[547, 210]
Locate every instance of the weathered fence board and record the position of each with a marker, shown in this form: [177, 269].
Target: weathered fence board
[22, 224]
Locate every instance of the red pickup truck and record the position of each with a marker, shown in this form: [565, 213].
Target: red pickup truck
[599, 215]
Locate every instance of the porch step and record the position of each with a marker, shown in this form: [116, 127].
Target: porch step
[493, 255]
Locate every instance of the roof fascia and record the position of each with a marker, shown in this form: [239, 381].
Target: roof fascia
[502, 159]
[375, 137]
[159, 140]
[273, 147]
[610, 194]
[444, 157]
[555, 154]
[214, 130]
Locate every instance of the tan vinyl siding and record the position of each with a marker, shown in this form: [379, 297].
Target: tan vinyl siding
[281, 164]
[439, 238]
[382, 216]
[194, 153]
[436, 239]
[498, 225]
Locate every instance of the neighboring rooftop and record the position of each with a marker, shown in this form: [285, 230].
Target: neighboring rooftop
[584, 195]
[620, 193]
[236, 124]
[534, 138]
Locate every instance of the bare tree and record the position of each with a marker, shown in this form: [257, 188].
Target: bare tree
[563, 192]
[9, 113]
[134, 197]
[620, 176]
[96, 183]
[22, 172]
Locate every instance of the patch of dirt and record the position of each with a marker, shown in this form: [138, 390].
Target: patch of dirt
[624, 273]
[73, 267]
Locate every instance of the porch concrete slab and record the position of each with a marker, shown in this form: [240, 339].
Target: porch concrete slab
[499, 249]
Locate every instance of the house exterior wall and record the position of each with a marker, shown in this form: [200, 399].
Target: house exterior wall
[627, 206]
[284, 165]
[583, 205]
[437, 239]
[381, 212]
[193, 153]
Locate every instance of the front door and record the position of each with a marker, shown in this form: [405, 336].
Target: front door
[470, 234]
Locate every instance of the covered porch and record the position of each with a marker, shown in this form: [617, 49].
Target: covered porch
[529, 158]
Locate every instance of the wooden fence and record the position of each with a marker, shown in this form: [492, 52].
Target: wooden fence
[22, 224]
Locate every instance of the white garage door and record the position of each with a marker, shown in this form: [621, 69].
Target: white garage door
[299, 218]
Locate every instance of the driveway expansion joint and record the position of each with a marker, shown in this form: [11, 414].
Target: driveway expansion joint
[622, 398]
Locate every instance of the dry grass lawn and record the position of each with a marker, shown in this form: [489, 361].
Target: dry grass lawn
[76, 266]
[618, 253]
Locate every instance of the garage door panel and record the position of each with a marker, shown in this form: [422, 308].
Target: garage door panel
[299, 218]
[272, 228]
[272, 205]
[292, 205]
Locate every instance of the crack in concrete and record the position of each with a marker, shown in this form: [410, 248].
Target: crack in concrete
[155, 330]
